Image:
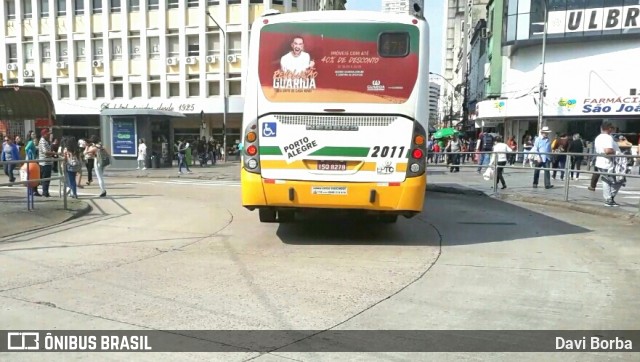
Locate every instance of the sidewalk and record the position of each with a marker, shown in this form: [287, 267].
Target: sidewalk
[15, 218]
[519, 188]
[219, 171]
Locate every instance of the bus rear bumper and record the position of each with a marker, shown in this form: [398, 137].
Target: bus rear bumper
[407, 198]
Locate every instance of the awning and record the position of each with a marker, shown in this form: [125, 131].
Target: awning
[140, 112]
[25, 103]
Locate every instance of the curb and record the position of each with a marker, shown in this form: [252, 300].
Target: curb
[75, 215]
[587, 209]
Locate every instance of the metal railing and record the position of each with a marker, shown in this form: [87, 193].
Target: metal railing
[589, 157]
[62, 187]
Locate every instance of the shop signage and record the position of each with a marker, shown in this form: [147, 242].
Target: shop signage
[123, 136]
[162, 106]
[595, 19]
[617, 105]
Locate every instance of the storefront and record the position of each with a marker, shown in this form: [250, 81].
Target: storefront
[120, 130]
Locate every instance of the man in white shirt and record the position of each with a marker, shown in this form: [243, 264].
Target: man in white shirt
[297, 60]
[605, 144]
[142, 154]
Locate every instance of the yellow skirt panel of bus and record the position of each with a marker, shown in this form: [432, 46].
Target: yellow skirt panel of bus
[407, 196]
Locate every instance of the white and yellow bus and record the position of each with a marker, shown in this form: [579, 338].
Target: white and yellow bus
[335, 115]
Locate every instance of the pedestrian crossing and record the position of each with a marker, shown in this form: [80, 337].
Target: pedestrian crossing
[199, 183]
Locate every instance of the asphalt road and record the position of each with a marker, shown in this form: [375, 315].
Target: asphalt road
[166, 254]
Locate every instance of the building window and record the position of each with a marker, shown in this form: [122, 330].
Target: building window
[136, 90]
[62, 50]
[26, 10]
[28, 50]
[153, 4]
[80, 55]
[213, 44]
[10, 8]
[62, 8]
[134, 5]
[134, 45]
[213, 88]
[235, 46]
[12, 53]
[117, 90]
[174, 89]
[194, 88]
[79, 7]
[97, 6]
[81, 91]
[116, 48]
[173, 46]
[97, 49]
[173, 4]
[44, 8]
[64, 91]
[192, 3]
[235, 87]
[46, 83]
[45, 51]
[154, 47]
[115, 6]
[98, 91]
[154, 90]
[213, 2]
[193, 46]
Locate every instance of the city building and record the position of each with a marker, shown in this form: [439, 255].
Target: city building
[589, 58]
[435, 114]
[162, 55]
[477, 68]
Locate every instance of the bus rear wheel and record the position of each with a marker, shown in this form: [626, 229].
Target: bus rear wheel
[388, 219]
[267, 215]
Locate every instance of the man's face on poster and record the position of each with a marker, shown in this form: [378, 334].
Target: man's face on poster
[297, 46]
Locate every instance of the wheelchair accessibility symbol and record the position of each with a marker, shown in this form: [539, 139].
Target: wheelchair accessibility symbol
[269, 129]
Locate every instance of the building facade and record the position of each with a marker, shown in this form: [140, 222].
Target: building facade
[435, 115]
[591, 51]
[164, 55]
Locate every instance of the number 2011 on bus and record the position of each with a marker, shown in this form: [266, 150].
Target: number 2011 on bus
[387, 151]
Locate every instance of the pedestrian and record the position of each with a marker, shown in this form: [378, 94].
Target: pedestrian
[513, 145]
[606, 145]
[500, 152]
[576, 146]
[10, 153]
[454, 157]
[542, 150]
[559, 147]
[182, 153]
[142, 154]
[89, 161]
[99, 154]
[72, 164]
[485, 144]
[528, 157]
[45, 154]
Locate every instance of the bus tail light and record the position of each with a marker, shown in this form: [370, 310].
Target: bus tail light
[251, 147]
[418, 159]
[252, 150]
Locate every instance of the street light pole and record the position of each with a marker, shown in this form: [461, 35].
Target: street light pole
[453, 91]
[224, 87]
[542, 86]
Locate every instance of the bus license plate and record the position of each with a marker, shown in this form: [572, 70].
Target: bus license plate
[332, 165]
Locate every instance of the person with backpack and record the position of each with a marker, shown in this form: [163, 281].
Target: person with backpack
[485, 144]
[102, 159]
[72, 163]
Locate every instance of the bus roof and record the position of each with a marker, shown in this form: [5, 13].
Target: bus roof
[341, 15]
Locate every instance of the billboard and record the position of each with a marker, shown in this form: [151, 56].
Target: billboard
[618, 18]
[338, 62]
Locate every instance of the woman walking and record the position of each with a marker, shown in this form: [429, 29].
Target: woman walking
[72, 164]
[95, 151]
[500, 151]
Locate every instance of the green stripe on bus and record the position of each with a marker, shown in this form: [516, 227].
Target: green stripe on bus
[342, 151]
[270, 151]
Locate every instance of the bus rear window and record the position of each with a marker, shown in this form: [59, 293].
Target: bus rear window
[393, 45]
